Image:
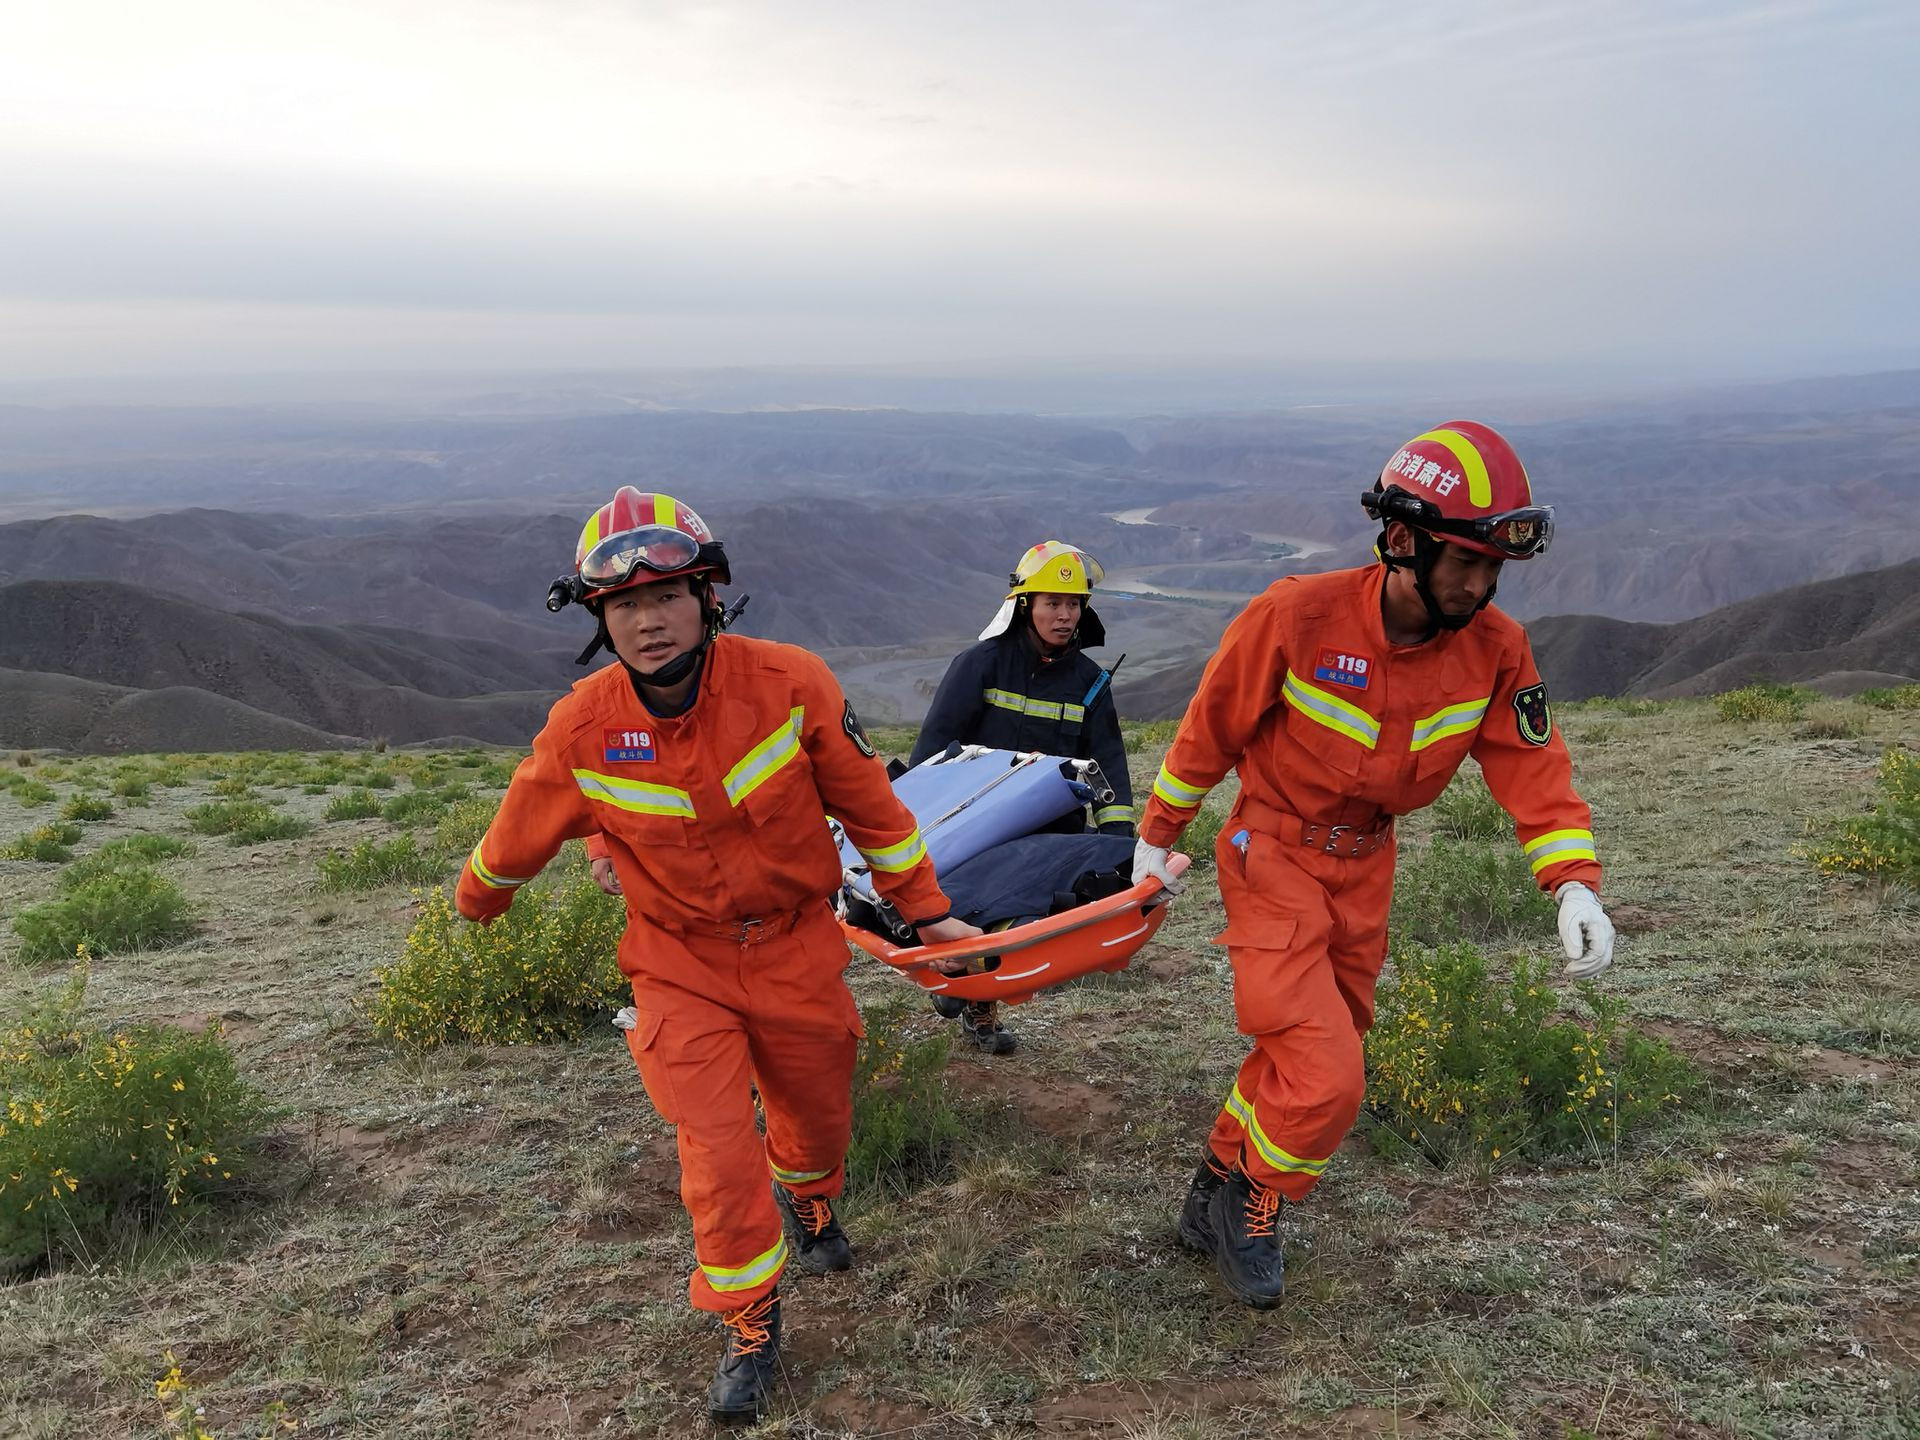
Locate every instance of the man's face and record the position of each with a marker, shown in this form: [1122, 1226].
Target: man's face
[1462, 578]
[652, 625]
[1056, 617]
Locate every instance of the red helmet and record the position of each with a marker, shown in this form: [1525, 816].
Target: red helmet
[639, 537]
[1463, 483]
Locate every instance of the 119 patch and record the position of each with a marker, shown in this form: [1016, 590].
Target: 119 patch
[628, 746]
[1337, 667]
[1532, 715]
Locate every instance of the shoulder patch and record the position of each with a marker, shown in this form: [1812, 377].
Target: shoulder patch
[850, 722]
[1532, 714]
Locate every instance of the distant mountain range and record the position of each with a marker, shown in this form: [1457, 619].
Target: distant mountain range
[368, 570]
[1843, 635]
[109, 666]
[1848, 633]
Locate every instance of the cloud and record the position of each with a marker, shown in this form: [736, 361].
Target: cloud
[917, 182]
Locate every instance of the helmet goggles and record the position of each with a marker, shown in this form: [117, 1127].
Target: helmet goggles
[618, 558]
[1513, 534]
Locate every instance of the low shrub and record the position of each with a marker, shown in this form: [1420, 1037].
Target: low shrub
[121, 910]
[1465, 891]
[377, 780]
[370, 865]
[109, 1130]
[235, 787]
[87, 807]
[132, 788]
[359, 804]
[1883, 845]
[1462, 1063]
[543, 971]
[32, 793]
[244, 822]
[461, 827]
[1466, 810]
[904, 1124]
[1832, 722]
[1763, 702]
[130, 852]
[49, 843]
[416, 807]
[1899, 697]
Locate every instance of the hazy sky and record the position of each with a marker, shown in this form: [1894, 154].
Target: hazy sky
[320, 184]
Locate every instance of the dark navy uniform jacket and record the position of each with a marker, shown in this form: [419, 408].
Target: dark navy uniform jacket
[1003, 692]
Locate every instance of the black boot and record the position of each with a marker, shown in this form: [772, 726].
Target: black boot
[1196, 1223]
[813, 1233]
[742, 1386]
[949, 1007]
[1244, 1215]
[980, 1026]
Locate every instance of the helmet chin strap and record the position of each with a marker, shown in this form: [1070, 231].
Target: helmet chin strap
[676, 669]
[1426, 553]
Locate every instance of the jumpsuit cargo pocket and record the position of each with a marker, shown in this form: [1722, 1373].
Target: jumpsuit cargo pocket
[644, 1043]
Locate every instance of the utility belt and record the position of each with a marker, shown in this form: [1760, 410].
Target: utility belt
[1349, 842]
[739, 932]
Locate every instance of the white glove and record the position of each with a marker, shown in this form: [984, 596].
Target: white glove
[1151, 860]
[1585, 931]
[627, 1018]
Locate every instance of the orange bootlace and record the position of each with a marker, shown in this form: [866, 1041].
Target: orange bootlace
[1263, 1209]
[813, 1212]
[751, 1332]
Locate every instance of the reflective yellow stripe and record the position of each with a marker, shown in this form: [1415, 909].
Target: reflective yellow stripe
[896, 858]
[1558, 845]
[1040, 709]
[761, 1268]
[796, 1177]
[663, 511]
[641, 799]
[766, 758]
[1454, 720]
[1479, 488]
[1279, 1159]
[1175, 791]
[488, 878]
[1331, 711]
[1113, 815]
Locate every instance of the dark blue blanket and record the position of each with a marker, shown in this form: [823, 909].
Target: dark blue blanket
[1038, 875]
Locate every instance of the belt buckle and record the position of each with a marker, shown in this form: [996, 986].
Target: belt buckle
[1334, 832]
[752, 932]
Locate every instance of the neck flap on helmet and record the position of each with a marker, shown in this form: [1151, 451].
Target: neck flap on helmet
[1427, 550]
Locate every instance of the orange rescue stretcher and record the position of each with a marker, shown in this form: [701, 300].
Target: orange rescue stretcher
[966, 801]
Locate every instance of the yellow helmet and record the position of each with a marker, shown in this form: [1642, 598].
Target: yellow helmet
[1052, 567]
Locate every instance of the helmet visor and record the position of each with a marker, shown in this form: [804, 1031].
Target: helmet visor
[1518, 534]
[659, 548]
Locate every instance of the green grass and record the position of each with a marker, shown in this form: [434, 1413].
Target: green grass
[1764, 702]
[360, 804]
[371, 864]
[472, 1231]
[46, 843]
[105, 914]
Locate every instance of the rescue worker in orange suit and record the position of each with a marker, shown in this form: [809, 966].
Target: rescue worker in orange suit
[707, 762]
[1344, 700]
[1030, 685]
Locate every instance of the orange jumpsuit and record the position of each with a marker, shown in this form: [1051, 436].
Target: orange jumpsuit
[716, 824]
[1334, 732]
